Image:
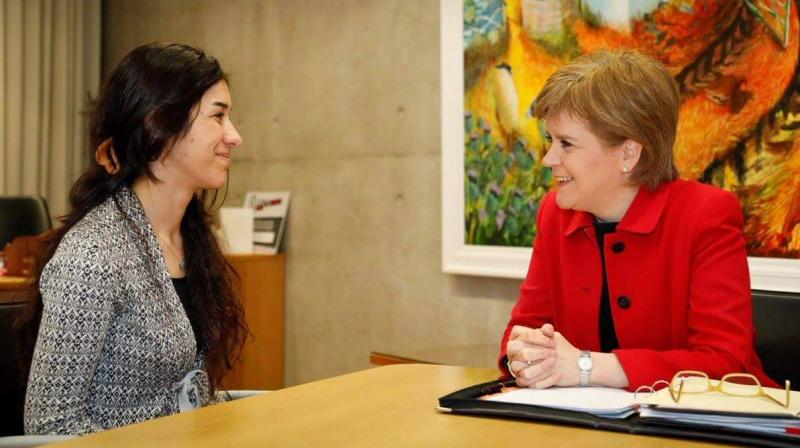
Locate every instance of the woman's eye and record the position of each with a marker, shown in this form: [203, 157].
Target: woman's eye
[566, 144]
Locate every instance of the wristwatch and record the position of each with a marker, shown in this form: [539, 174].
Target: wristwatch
[585, 364]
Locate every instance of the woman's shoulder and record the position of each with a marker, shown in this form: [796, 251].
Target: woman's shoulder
[100, 230]
[702, 206]
[696, 195]
[96, 243]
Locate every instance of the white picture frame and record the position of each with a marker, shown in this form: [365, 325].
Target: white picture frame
[771, 274]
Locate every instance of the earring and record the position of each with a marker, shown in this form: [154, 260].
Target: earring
[625, 169]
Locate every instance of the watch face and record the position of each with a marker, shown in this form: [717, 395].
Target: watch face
[585, 363]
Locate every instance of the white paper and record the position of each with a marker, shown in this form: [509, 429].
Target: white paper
[237, 229]
[601, 401]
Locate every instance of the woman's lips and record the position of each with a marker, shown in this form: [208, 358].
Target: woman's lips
[563, 180]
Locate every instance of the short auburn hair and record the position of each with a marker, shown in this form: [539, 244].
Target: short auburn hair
[621, 94]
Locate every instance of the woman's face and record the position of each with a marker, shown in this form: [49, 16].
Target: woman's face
[589, 176]
[200, 160]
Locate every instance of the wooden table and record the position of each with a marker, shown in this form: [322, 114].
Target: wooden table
[386, 406]
[12, 289]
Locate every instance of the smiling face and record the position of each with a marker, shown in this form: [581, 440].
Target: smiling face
[200, 160]
[589, 176]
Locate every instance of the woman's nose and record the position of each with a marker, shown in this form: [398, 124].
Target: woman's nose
[232, 137]
[550, 158]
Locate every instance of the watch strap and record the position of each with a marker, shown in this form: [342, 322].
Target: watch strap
[585, 373]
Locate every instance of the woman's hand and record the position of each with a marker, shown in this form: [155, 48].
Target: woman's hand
[541, 358]
[566, 363]
[531, 355]
[554, 361]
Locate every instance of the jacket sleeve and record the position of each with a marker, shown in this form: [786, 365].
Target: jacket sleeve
[533, 308]
[78, 310]
[719, 316]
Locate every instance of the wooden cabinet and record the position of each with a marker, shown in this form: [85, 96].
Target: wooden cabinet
[263, 282]
[475, 355]
[14, 289]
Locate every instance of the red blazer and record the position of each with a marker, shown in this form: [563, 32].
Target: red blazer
[677, 280]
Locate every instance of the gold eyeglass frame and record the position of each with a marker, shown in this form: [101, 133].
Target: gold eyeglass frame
[683, 374]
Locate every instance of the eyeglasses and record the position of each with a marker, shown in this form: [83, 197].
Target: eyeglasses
[734, 384]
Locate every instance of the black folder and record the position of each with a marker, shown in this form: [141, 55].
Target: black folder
[467, 402]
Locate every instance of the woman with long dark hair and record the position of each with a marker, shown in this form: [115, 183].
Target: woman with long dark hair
[134, 300]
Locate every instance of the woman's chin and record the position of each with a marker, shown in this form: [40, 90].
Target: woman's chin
[563, 201]
[214, 184]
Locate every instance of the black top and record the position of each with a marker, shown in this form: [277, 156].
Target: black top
[182, 288]
[608, 335]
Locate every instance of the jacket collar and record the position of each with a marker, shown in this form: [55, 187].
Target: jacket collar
[642, 216]
[135, 217]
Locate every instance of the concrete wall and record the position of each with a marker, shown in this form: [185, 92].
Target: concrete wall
[338, 102]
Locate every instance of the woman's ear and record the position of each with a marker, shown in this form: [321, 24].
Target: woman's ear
[631, 152]
[106, 157]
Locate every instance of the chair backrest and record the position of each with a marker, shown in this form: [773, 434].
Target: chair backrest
[777, 319]
[22, 216]
[12, 387]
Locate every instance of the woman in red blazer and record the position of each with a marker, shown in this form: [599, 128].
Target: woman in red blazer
[635, 274]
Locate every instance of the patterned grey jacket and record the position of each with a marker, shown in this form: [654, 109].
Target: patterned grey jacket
[115, 341]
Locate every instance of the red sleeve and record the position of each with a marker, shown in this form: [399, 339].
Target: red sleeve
[720, 329]
[533, 308]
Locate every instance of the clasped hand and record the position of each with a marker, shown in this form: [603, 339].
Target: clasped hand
[542, 357]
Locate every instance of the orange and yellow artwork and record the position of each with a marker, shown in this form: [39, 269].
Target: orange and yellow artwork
[736, 62]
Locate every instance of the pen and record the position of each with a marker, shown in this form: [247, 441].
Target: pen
[495, 388]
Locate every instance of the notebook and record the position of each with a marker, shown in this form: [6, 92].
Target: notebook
[724, 419]
[600, 401]
[717, 410]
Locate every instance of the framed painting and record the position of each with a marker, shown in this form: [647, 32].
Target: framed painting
[736, 63]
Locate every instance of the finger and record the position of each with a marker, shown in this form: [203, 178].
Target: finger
[531, 382]
[548, 330]
[536, 337]
[538, 370]
[549, 381]
[516, 367]
[518, 330]
[533, 353]
[512, 347]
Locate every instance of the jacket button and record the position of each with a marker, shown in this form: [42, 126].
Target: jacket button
[618, 247]
[624, 302]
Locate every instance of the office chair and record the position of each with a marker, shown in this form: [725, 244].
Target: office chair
[22, 216]
[12, 392]
[12, 389]
[777, 334]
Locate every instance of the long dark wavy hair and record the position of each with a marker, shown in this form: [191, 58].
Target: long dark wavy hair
[145, 106]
